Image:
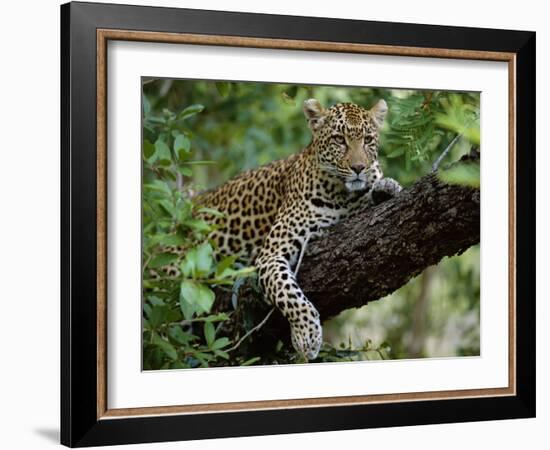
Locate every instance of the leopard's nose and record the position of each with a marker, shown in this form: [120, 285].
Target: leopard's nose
[358, 168]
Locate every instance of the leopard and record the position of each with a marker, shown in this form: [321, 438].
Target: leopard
[270, 214]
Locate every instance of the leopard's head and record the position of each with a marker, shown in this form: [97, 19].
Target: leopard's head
[345, 139]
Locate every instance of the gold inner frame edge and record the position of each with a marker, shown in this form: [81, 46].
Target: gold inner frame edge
[103, 36]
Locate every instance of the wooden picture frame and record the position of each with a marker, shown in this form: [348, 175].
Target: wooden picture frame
[86, 418]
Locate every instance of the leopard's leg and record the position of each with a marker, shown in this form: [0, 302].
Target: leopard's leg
[275, 263]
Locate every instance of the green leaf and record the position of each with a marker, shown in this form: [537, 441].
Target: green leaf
[167, 239]
[195, 298]
[190, 111]
[163, 152]
[154, 357]
[147, 309]
[162, 260]
[198, 225]
[159, 186]
[165, 346]
[396, 153]
[243, 272]
[146, 105]
[473, 135]
[187, 299]
[220, 343]
[288, 99]
[407, 161]
[220, 317]
[209, 333]
[173, 315]
[292, 91]
[211, 211]
[168, 206]
[203, 358]
[145, 324]
[221, 354]
[154, 300]
[181, 143]
[148, 149]
[157, 120]
[189, 264]
[229, 273]
[176, 333]
[250, 361]
[223, 88]
[178, 365]
[205, 299]
[461, 174]
[225, 264]
[185, 171]
[205, 259]
[158, 316]
[460, 117]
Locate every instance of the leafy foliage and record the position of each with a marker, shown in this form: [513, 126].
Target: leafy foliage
[422, 123]
[179, 328]
[347, 352]
[465, 174]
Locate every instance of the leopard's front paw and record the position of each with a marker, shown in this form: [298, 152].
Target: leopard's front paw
[307, 336]
[385, 189]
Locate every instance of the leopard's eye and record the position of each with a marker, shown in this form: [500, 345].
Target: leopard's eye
[339, 140]
[368, 140]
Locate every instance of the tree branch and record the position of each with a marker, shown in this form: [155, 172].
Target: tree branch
[374, 254]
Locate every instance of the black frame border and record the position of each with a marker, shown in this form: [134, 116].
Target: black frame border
[79, 423]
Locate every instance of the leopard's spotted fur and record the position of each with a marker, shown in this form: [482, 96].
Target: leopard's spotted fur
[271, 212]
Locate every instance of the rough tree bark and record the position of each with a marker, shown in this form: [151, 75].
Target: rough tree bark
[374, 254]
[370, 256]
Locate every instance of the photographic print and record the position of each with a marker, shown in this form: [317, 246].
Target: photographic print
[280, 223]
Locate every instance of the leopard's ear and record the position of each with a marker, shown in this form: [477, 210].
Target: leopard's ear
[314, 113]
[379, 112]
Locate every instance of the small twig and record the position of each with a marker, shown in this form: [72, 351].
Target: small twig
[235, 292]
[179, 182]
[152, 80]
[437, 162]
[146, 263]
[249, 332]
[302, 251]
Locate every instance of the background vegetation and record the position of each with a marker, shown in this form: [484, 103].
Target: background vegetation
[198, 134]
